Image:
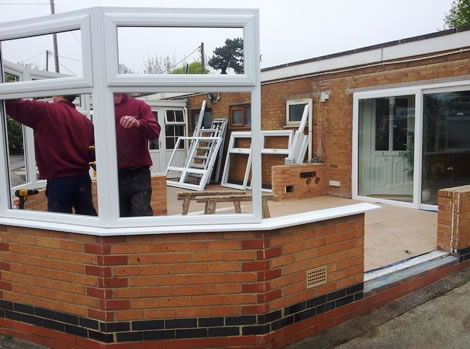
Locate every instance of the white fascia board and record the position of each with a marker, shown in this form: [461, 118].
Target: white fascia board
[323, 65]
[399, 51]
[265, 225]
[427, 46]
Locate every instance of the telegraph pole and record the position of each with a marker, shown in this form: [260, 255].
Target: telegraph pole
[47, 60]
[54, 39]
[202, 58]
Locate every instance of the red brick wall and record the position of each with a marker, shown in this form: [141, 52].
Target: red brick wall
[177, 276]
[158, 202]
[332, 120]
[299, 181]
[453, 233]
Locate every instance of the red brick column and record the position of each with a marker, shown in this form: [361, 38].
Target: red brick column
[453, 233]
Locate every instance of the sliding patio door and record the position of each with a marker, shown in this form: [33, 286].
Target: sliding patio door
[386, 147]
[446, 143]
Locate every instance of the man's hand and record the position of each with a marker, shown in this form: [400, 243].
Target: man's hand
[129, 122]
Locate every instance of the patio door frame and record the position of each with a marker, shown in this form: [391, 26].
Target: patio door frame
[418, 91]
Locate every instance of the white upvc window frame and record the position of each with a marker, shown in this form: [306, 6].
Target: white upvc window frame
[418, 91]
[100, 57]
[290, 102]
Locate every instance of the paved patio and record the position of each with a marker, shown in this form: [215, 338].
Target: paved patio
[392, 233]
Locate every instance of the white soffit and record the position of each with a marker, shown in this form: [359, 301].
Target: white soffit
[398, 51]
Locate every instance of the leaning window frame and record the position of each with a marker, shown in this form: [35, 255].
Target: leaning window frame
[101, 50]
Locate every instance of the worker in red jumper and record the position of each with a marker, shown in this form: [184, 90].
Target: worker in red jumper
[62, 140]
[135, 126]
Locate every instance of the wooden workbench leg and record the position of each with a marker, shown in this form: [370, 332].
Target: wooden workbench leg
[210, 207]
[237, 206]
[186, 202]
[265, 207]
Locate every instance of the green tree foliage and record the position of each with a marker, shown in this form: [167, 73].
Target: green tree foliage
[228, 56]
[193, 68]
[15, 131]
[15, 137]
[459, 14]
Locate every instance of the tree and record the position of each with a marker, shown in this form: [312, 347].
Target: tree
[193, 68]
[228, 56]
[158, 65]
[459, 14]
[124, 69]
[15, 136]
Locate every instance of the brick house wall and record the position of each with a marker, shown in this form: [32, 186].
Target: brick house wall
[332, 120]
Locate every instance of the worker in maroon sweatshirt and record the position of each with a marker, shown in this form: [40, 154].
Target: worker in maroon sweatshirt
[135, 126]
[62, 140]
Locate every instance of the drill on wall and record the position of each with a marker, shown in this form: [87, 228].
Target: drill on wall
[22, 194]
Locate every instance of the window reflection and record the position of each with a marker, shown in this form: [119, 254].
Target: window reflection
[446, 144]
[64, 150]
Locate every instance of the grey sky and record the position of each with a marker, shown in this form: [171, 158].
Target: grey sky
[290, 30]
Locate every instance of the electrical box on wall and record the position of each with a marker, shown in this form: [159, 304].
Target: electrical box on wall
[334, 183]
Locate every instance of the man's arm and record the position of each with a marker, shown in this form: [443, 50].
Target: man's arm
[145, 122]
[27, 112]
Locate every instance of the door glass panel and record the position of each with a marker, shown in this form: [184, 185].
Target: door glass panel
[386, 146]
[446, 143]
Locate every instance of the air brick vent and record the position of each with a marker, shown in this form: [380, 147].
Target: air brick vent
[316, 277]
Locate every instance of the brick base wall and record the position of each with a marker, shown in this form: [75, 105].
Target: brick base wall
[158, 202]
[299, 181]
[236, 287]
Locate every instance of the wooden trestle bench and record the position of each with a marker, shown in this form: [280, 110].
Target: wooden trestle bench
[211, 198]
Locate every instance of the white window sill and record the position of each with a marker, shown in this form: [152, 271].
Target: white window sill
[265, 224]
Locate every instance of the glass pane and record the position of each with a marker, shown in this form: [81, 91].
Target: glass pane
[199, 50]
[16, 152]
[11, 77]
[34, 57]
[170, 143]
[384, 172]
[382, 124]
[248, 116]
[179, 116]
[135, 126]
[170, 116]
[237, 117]
[400, 124]
[207, 118]
[154, 143]
[295, 112]
[64, 152]
[446, 143]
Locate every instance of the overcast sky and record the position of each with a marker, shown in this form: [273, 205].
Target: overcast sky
[290, 30]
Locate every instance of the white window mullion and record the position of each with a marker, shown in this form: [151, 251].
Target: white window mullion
[105, 129]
